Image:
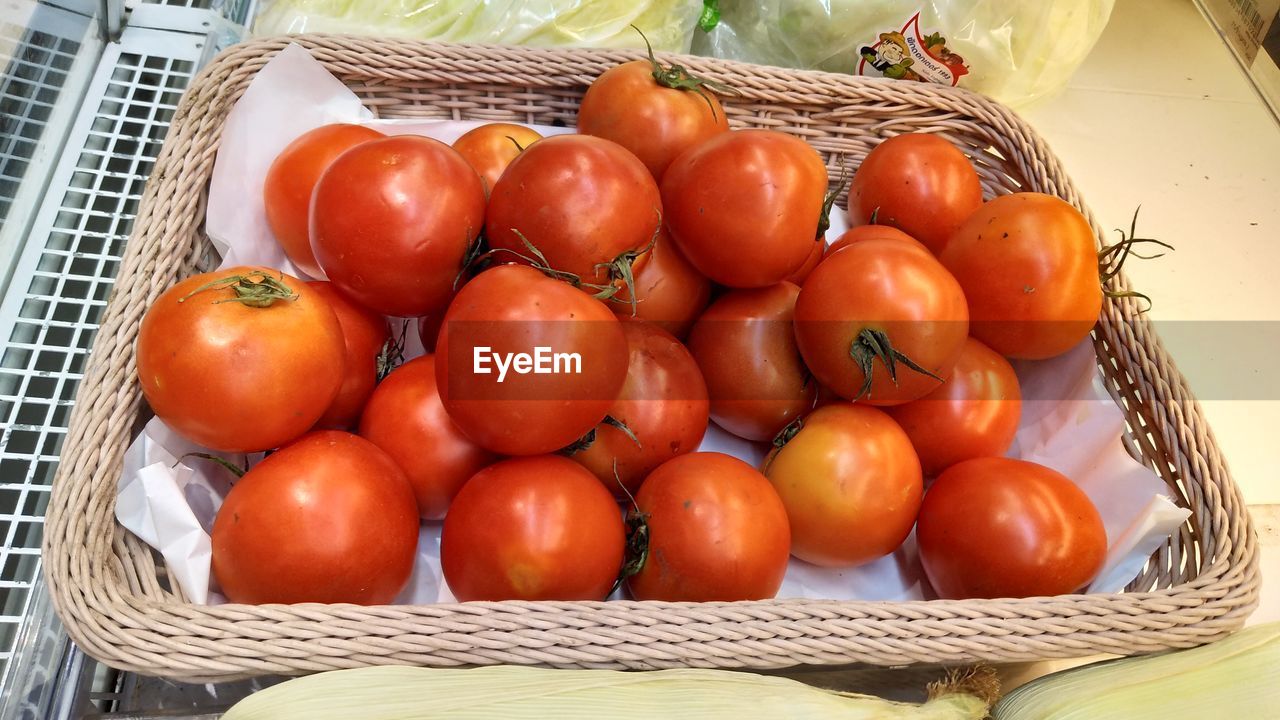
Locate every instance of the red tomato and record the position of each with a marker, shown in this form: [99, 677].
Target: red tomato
[533, 528]
[234, 377]
[328, 518]
[391, 222]
[1029, 268]
[407, 420]
[886, 304]
[584, 202]
[656, 119]
[505, 315]
[663, 404]
[920, 184]
[851, 484]
[669, 292]
[871, 232]
[974, 414]
[716, 532]
[292, 177]
[997, 527]
[364, 333]
[744, 206]
[489, 149]
[746, 348]
[815, 256]
[429, 329]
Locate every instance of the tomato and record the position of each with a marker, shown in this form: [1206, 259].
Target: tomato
[429, 330]
[535, 406]
[746, 349]
[669, 292]
[391, 221]
[406, 419]
[815, 256]
[489, 149]
[291, 179]
[234, 377]
[656, 119]
[364, 334]
[871, 232]
[744, 206]
[881, 303]
[974, 414]
[584, 202]
[663, 403]
[997, 527]
[716, 532]
[328, 518]
[1029, 267]
[533, 528]
[850, 482]
[920, 184]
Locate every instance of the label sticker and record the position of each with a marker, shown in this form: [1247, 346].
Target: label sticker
[906, 54]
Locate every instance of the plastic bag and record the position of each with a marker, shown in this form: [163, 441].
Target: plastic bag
[1013, 51]
[668, 24]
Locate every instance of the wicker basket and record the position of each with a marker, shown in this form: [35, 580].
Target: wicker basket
[113, 594]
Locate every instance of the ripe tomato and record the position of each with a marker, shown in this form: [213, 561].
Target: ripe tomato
[234, 377]
[716, 532]
[669, 292]
[429, 329]
[744, 206]
[535, 406]
[406, 419]
[391, 222]
[328, 518]
[886, 303]
[746, 349]
[815, 256]
[651, 110]
[997, 527]
[533, 528]
[974, 414]
[292, 177]
[489, 149]
[663, 403]
[871, 232]
[364, 333]
[918, 183]
[1029, 268]
[584, 202]
[851, 484]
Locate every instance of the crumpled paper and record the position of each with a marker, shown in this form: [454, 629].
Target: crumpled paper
[169, 502]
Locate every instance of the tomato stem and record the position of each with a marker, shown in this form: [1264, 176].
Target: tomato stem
[589, 439]
[784, 436]
[519, 147]
[237, 471]
[1111, 259]
[477, 253]
[621, 269]
[677, 77]
[824, 220]
[874, 344]
[391, 355]
[258, 293]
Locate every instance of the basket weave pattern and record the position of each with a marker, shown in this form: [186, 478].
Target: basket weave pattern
[118, 605]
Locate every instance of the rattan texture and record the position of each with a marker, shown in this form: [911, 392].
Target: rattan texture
[113, 594]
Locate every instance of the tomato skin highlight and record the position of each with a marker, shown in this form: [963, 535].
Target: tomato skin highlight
[871, 232]
[973, 414]
[918, 183]
[669, 292]
[291, 179]
[206, 362]
[391, 222]
[328, 518]
[406, 419]
[663, 403]
[851, 484]
[513, 309]
[656, 123]
[997, 527]
[1028, 264]
[490, 148]
[746, 348]
[532, 528]
[364, 333]
[717, 532]
[744, 206]
[880, 286]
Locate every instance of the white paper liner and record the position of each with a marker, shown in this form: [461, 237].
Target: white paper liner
[170, 504]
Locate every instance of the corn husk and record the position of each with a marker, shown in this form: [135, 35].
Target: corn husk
[409, 693]
[1237, 678]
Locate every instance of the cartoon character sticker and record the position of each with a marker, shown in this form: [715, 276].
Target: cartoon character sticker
[907, 55]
